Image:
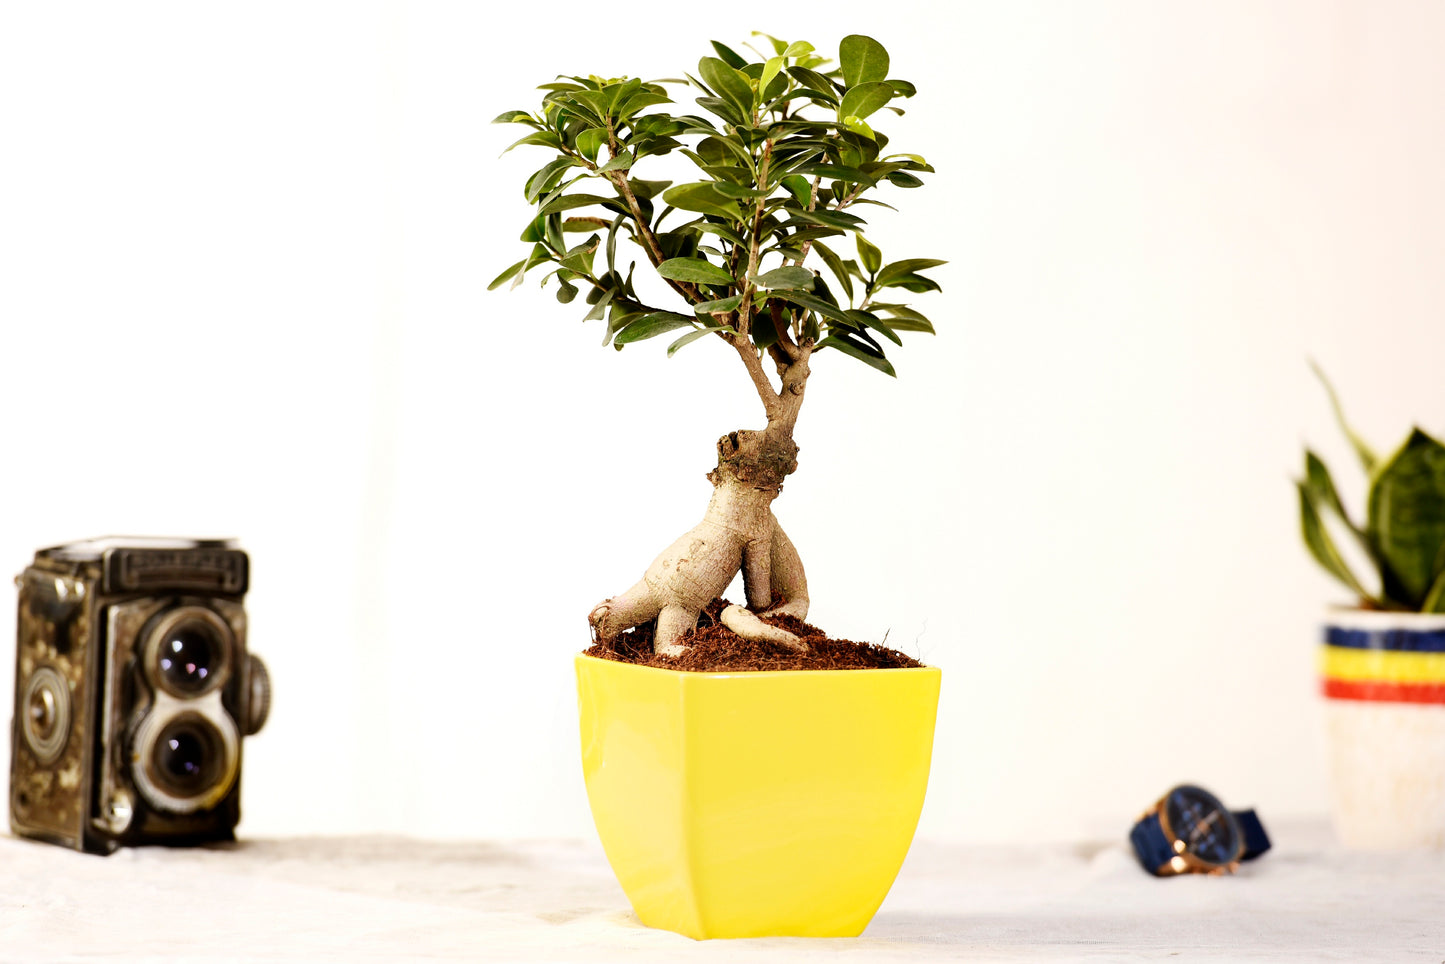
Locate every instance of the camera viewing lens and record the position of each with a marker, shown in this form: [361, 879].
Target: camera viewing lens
[188, 757]
[188, 656]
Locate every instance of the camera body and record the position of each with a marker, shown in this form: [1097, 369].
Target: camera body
[133, 690]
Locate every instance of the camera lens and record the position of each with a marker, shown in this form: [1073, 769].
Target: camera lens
[188, 656]
[188, 757]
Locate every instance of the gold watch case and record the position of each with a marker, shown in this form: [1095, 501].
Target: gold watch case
[1183, 861]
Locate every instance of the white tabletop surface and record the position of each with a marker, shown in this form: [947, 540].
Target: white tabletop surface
[387, 898]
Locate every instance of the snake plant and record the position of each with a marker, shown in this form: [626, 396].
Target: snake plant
[1404, 527]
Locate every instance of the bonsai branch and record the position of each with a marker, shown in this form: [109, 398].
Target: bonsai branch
[649, 239]
[754, 366]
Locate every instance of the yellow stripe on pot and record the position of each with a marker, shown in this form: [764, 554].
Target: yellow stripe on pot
[1338, 662]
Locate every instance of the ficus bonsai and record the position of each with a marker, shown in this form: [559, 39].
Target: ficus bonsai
[1404, 529]
[783, 157]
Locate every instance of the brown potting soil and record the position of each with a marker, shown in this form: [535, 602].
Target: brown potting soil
[713, 648]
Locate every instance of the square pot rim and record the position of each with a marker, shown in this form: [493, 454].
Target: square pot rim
[583, 658]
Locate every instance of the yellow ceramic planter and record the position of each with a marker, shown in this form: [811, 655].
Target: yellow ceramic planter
[756, 804]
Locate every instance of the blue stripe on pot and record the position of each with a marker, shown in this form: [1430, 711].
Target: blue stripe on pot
[1398, 640]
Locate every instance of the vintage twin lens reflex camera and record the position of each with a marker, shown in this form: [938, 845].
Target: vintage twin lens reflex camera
[133, 689]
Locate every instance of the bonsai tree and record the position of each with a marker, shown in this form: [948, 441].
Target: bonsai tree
[1404, 530]
[784, 157]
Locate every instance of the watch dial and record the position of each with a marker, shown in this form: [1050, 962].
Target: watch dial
[1207, 829]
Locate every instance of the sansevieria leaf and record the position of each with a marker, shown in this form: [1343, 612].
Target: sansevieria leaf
[1407, 518]
[1321, 546]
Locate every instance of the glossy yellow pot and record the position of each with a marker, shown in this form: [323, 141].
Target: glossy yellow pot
[756, 804]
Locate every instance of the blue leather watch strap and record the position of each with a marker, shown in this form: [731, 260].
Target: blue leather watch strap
[1256, 841]
[1150, 844]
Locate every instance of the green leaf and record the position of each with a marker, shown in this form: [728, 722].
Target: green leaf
[599, 308]
[798, 48]
[544, 180]
[1321, 546]
[552, 231]
[649, 326]
[616, 321]
[502, 278]
[813, 303]
[1435, 602]
[867, 319]
[722, 108]
[778, 45]
[691, 337]
[1366, 454]
[915, 283]
[789, 276]
[770, 70]
[1322, 488]
[835, 264]
[869, 254]
[854, 350]
[857, 126]
[814, 80]
[567, 202]
[729, 56]
[863, 60]
[906, 319]
[837, 172]
[721, 304]
[907, 266]
[736, 192]
[590, 142]
[721, 230]
[623, 161]
[566, 291]
[1407, 518]
[514, 117]
[727, 83]
[904, 179]
[545, 138]
[702, 197]
[799, 188]
[639, 100]
[831, 219]
[865, 99]
[695, 271]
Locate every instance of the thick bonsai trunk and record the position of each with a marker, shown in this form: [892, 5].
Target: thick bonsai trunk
[737, 533]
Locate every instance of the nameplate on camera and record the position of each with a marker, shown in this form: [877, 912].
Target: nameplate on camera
[206, 569]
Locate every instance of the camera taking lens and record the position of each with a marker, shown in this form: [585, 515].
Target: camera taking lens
[188, 757]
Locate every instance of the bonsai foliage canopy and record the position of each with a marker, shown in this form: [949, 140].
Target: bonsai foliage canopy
[1403, 535]
[753, 253]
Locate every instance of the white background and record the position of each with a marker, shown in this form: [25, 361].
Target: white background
[243, 258]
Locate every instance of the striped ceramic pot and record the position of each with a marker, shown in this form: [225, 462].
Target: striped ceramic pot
[1384, 687]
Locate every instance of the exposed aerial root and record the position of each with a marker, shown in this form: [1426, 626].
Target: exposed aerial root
[738, 533]
[750, 627]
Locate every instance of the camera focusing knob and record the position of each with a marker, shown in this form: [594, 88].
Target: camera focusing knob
[258, 703]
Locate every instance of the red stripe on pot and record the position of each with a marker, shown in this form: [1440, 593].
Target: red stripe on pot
[1383, 692]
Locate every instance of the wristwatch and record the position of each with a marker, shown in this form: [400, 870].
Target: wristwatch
[1190, 832]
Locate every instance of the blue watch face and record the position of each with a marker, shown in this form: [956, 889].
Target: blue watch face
[1208, 830]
